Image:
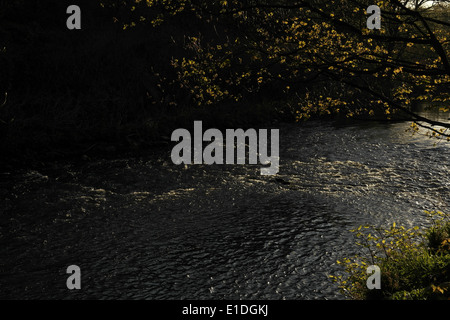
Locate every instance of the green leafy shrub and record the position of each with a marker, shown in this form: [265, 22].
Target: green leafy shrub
[414, 264]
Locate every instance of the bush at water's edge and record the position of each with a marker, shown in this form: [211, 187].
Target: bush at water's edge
[414, 263]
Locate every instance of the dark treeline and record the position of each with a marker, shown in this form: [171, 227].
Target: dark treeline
[69, 89]
[137, 70]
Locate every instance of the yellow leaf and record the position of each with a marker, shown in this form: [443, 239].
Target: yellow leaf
[437, 288]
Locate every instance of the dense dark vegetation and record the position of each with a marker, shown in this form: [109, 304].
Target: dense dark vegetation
[120, 83]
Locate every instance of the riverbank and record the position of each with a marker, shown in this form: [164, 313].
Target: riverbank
[41, 141]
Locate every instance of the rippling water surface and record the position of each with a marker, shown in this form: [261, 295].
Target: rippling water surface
[143, 228]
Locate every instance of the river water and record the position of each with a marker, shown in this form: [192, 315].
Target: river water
[144, 228]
